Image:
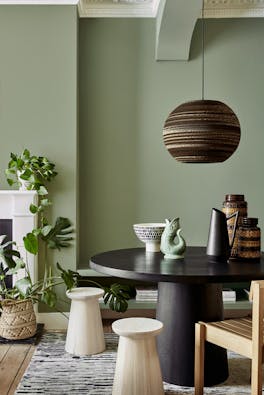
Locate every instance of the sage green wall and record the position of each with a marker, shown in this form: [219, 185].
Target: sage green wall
[126, 174]
[38, 97]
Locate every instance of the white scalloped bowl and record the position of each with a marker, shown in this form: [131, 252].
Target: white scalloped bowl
[150, 234]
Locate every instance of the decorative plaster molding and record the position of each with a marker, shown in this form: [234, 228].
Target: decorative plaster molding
[118, 8]
[233, 8]
[39, 2]
[149, 8]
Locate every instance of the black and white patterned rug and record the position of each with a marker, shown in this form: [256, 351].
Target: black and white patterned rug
[53, 371]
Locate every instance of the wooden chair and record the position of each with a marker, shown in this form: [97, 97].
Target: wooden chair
[243, 336]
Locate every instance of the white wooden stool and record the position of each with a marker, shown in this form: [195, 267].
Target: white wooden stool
[137, 366]
[85, 334]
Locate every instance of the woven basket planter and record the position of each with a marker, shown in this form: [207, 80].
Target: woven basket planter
[18, 319]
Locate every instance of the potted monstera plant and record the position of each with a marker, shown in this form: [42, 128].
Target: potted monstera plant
[20, 297]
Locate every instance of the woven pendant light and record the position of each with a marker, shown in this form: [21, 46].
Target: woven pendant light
[201, 131]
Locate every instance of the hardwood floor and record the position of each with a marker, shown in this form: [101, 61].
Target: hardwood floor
[14, 360]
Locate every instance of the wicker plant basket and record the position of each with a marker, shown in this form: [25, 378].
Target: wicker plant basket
[18, 319]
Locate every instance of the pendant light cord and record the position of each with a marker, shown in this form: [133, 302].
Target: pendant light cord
[203, 38]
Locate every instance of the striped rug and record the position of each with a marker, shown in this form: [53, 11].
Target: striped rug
[52, 371]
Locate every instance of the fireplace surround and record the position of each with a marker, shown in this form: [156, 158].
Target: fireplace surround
[14, 206]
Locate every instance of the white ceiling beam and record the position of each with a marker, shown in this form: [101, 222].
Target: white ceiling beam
[175, 23]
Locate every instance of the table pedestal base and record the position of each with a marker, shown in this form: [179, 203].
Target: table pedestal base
[179, 307]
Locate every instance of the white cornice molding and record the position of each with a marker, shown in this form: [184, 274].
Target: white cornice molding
[149, 8]
[234, 8]
[118, 8]
[39, 2]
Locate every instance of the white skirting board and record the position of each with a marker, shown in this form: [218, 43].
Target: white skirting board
[59, 322]
[53, 321]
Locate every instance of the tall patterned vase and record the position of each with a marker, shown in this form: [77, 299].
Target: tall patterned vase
[232, 204]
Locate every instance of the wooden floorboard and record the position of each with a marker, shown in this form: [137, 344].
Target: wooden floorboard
[14, 360]
[21, 370]
[11, 365]
[3, 350]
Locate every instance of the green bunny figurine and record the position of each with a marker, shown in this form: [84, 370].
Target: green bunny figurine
[169, 247]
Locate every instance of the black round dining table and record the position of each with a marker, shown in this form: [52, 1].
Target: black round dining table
[189, 290]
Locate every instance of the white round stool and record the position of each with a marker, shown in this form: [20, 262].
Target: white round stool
[137, 366]
[85, 334]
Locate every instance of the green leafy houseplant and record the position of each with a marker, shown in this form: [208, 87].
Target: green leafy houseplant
[116, 295]
[43, 290]
[37, 171]
[11, 263]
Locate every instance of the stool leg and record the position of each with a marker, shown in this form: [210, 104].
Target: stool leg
[137, 368]
[85, 330]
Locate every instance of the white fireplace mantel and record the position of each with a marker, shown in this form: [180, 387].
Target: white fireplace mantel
[14, 205]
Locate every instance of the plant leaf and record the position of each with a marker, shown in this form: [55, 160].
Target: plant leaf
[10, 171]
[69, 277]
[33, 208]
[23, 286]
[26, 175]
[46, 230]
[49, 297]
[10, 182]
[31, 243]
[26, 154]
[60, 235]
[117, 296]
[7, 254]
[2, 238]
[45, 202]
[13, 156]
[20, 264]
[42, 190]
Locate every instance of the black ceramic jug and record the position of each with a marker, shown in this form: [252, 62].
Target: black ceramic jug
[218, 241]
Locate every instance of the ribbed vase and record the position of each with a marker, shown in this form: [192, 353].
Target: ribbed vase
[201, 131]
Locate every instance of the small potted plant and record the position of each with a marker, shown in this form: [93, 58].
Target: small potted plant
[18, 319]
[30, 171]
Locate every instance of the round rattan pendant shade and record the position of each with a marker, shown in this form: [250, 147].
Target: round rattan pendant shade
[202, 131]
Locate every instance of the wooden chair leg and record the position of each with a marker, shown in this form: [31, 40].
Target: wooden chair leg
[199, 359]
[256, 376]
